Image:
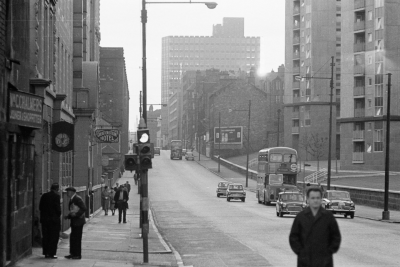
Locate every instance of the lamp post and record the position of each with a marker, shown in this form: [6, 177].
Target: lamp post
[219, 142]
[210, 5]
[248, 140]
[279, 120]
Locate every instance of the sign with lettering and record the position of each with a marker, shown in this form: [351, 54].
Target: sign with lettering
[25, 109]
[229, 135]
[107, 135]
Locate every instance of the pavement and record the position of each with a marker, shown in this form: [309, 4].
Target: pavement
[208, 231]
[364, 212]
[106, 243]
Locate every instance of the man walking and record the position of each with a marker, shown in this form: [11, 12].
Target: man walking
[315, 234]
[128, 186]
[50, 213]
[76, 214]
[121, 200]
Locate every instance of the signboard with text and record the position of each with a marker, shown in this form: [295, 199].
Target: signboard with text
[107, 135]
[25, 109]
[229, 135]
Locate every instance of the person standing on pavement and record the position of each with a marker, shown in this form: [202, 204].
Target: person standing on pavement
[315, 234]
[50, 213]
[76, 214]
[112, 201]
[121, 199]
[105, 200]
[128, 186]
[135, 177]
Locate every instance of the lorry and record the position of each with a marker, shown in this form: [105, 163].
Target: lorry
[176, 149]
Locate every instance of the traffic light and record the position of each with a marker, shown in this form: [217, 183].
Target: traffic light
[131, 162]
[144, 149]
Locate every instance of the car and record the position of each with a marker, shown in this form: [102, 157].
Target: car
[339, 202]
[189, 155]
[235, 191]
[184, 151]
[221, 188]
[157, 151]
[290, 202]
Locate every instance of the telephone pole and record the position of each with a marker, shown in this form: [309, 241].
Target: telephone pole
[330, 127]
[386, 212]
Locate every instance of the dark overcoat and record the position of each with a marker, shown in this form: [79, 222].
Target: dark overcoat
[315, 238]
[78, 218]
[121, 204]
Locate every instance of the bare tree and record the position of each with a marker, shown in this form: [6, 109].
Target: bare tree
[305, 143]
[317, 148]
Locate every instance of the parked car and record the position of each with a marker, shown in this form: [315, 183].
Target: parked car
[184, 151]
[235, 191]
[221, 188]
[291, 202]
[157, 151]
[339, 202]
[189, 156]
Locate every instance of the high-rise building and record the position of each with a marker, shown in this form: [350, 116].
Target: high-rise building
[312, 38]
[370, 28]
[226, 49]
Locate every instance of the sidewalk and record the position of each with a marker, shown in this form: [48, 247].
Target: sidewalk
[106, 243]
[364, 212]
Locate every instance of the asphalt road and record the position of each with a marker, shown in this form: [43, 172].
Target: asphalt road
[209, 231]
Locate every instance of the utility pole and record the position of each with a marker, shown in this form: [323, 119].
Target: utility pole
[248, 146]
[140, 104]
[219, 141]
[330, 127]
[279, 119]
[386, 212]
[144, 63]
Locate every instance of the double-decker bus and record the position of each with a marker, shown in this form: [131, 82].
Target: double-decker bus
[176, 149]
[277, 172]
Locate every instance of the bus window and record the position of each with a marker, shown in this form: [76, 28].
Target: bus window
[289, 179]
[275, 158]
[291, 158]
[263, 157]
[275, 178]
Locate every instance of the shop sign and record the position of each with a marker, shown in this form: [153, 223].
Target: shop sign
[107, 135]
[25, 109]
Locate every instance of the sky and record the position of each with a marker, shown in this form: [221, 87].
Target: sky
[120, 26]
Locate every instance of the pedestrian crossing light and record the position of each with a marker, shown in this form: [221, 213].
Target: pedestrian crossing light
[144, 149]
[131, 162]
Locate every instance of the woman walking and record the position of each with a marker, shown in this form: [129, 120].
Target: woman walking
[112, 202]
[105, 200]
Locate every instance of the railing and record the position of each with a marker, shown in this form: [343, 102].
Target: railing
[358, 135]
[296, 40]
[359, 69]
[296, 99]
[358, 157]
[359, 112]
[359, 91]
[359, 47]
[296, 69]
[359, 4]
[296, 10]
[296, 84]
[316, 177]
[253, 162]
[296, 25]
[359, 25]
[295, 129]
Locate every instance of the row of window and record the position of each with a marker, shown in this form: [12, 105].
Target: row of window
[216, 41]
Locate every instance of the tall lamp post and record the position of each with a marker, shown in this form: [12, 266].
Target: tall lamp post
[219, 141]
[210, 5]
[386, 212]
[248, 140]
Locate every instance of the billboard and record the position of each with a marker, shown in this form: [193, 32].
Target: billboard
[229, 135]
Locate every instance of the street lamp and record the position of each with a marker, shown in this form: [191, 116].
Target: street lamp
[145, 228]
[248, 140]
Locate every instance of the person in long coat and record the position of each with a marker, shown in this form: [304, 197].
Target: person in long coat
[112, 202]
[121, 198]
[315, 234]
[105, 200]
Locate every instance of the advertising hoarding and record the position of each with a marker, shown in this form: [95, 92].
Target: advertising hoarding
[232, 135]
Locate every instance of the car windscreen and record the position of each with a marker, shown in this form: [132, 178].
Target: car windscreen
[235, 187]
[339, 195]
[189, 153]
[223, 184]
[292, 197]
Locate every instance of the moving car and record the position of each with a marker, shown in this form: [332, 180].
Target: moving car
[339, 202]
[189, 155]
[157, 151]
[235, 191]
[290, 203]
[222, 187]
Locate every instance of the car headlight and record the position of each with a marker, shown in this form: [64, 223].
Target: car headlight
[352, 204]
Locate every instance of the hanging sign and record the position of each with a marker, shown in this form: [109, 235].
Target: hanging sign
[62, 137]
[107, 135]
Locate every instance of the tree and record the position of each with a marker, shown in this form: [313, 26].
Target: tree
[314, 145]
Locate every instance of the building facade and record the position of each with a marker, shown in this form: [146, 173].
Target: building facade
[312, 37]
[226, 49]
[371, 29]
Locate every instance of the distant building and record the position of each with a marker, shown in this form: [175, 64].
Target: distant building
[370, 52]
[226, 49]
[312, 37]
[152, 123]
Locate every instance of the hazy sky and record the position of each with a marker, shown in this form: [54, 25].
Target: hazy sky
[120, 26]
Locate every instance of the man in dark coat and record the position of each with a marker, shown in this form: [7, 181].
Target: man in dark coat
[121, 200]
[50, 213]
[128, 186]
[315, 234]
[76, 214]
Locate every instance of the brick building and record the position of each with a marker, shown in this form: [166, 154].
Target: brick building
[153, 117]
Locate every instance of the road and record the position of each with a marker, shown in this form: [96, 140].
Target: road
[209, 231]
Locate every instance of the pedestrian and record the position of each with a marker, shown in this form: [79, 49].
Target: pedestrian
[135, 177]
[121, 199]
[50, 213]
[105, 200]
[77, 216]
[112, 202]
[117, 185]
[128, 186]
[315, 234]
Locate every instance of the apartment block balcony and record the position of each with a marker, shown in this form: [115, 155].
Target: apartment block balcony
[296, 99]
[296, 10]
[295, 115]
[359, 4]
[359, 91]
[359, 69]
[296, 84]
[296, 69]
[337, 99]
[358, 157]
[359, 112]
[359, 25]
[359, 47]
[358, 135]
[295, 129]
[296, 40]
[296, 25]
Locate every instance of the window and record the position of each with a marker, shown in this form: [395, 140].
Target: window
[308, 54]
[378, 134]
[369, 148]
[369, 81]
[369, 37]
[369, 60]
[369, 15]
[379, 45]
[369, 126]
[307, 121]
[379, 23]
[275, 158]
[379, 3]
[379, 100]
[369, 103]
